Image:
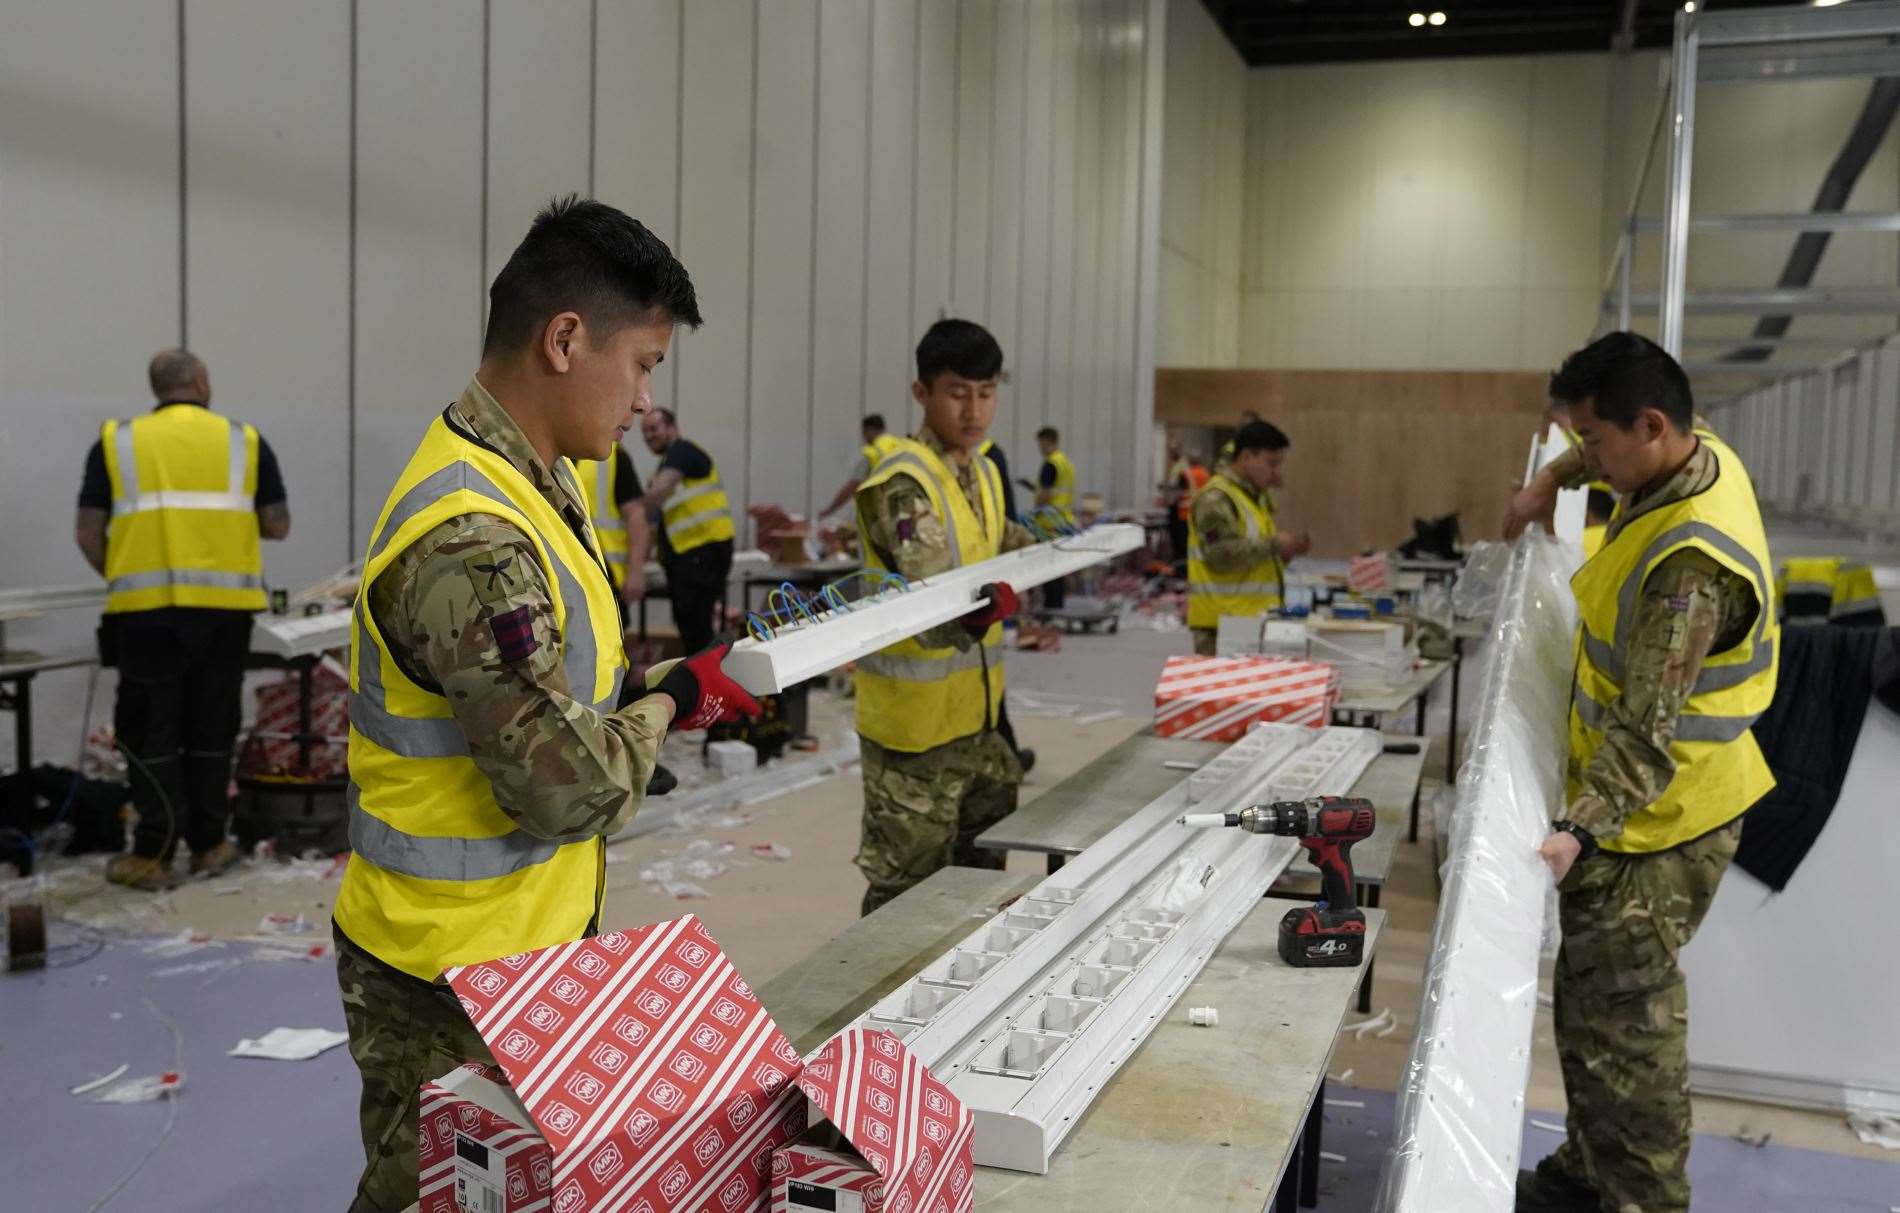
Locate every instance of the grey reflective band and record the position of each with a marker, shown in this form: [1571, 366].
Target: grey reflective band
[1687, 531]
[579, 632]
[931, 669]
[436, 858]
[128, 460]
[1246, 510]
[711, 485]
[200, 577]
[174, 499]
[409, 736]
[234, 482]
[1711, 678]
[1690, 726]
[1231, 588]
[1853, 605]
[1824, 589]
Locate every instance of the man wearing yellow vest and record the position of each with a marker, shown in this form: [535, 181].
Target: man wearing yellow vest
[616, 505]
[487, 760]
[936, 771]
[1236, 554]
[1055, 488]
[877, 444]
[170, 513]
[1676, 657]
[1828, 589]
[695, 527]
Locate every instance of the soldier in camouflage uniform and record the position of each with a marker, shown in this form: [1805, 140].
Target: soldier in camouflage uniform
[1226, 548]
[1620, 1005]
[466, 607]
[923, 811]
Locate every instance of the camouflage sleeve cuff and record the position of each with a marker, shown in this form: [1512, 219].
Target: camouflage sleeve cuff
[1569, 469]
[1597, 816]
[1016, 537]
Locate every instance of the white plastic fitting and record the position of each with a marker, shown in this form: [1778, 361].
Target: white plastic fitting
[1199, 820]
[1204, 1017]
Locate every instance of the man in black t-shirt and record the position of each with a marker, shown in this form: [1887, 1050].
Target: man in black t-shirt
[170, 513]
[695, 527]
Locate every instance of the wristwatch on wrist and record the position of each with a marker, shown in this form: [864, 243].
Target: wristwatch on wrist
[1584, 838]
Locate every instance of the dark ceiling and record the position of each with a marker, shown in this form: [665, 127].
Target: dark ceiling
[1331, 31]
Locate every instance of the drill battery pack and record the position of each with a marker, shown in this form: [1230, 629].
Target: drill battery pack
[1313, 938]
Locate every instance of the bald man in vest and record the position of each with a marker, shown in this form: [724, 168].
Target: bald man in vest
[170, 514]
[488, 756]
[1676, 657]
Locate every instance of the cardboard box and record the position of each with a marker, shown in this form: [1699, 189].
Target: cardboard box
[638, 1072]
[1217, 698]
[896, 1141]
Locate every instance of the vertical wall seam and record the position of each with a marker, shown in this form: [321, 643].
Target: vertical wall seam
[916, 92]
[989, 187]
[1022, 204]
[349, 534]
[956, 159]
[864, 298]
[679, 179]
[184, 220]
[811, 276]
[1049, 259]
[751, 260]
[593, 88]
[481, 285]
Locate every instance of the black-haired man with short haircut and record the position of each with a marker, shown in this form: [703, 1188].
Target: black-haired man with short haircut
[1237, 554]
[695, 525]
[487, 760]
[1676, 656]
[877, 443]
[937, 772]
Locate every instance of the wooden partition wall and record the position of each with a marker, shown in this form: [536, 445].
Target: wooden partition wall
[1373, 450]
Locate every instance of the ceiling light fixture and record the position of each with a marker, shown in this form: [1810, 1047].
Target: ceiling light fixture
[1415, 20]
[1689, 7]
[1437, 18]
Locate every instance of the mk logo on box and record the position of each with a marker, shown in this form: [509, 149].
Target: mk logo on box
[559, 1118]
[653, 1003]
[881, 1102]
[543, 1017]
[667, 1096]
[672, 977]
[641, 1125]
[487, 981]
[935, 1101]
[515, 960]
[584, 1087]
[708, 1038]
[608, 1058]
[687, 1066]
[674, 1182]
[733, 1194]
[707, 1147]
[590, 965]
[728, 1012]
[693, 954]
[630, 1029]
[572, 1198]
[606, 1163]
[567, 990]
[883, 1074]
[934, 1130]
[614, 941]
[742, 1111]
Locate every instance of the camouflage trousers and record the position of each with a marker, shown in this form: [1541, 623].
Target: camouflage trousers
[403, 1032]
[923, 811]
[1204, 641]
[1622, 1018]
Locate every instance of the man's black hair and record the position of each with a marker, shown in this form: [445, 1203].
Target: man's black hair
[1600, 504]
[872, 421]
[1621, 374]
[585, 256]
[665, 414]
[961, 347]
[1049, 432]
[1260, 436]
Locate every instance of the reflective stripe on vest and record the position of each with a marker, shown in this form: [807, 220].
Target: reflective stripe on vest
[1062, 493]
[186, 535]
[594, 484]
[1212, 594]
[697, 513]
[439, 874]
[1719, 770]
[914, 698]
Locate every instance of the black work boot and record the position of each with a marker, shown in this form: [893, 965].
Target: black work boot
[661, 781]
[1549, 1190]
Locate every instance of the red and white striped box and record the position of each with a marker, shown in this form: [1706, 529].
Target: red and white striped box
[1368, 572]
[650, 1077]
[906, 1138]
[1217, 698]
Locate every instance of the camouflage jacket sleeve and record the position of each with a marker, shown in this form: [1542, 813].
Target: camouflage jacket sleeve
[1016, 537]
[1225, 547]
[895, 519]
[1569, 469]
[1690, 606]
[466, 610]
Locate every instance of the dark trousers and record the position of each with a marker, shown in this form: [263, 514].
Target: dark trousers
[1054, 594]
[696, 582]
[1178, 540]
[181, 678]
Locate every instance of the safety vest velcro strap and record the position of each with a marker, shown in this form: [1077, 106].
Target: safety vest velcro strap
[1234, 588]
[439, 858]
[931, 669]
[174, 499]
[154, 578]
[1690, 726]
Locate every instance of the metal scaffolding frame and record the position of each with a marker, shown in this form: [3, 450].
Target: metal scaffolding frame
[1751, 46]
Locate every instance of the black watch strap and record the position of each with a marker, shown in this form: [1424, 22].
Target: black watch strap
[1584, 838]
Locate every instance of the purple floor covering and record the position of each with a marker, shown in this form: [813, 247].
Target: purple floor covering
[251, 1134]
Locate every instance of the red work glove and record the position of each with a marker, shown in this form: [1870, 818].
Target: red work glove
[701, 692]
[998, 603]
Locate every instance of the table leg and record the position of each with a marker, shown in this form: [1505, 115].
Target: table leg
[1365, 990]
[23, 722]
[1287, 1198]
[304, 667]
[1309, 1149]
[1056, 861]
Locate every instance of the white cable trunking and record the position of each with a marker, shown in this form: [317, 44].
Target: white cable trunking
[1031, 1014]
[811, 647]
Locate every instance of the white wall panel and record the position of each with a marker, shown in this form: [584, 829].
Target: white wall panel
[419, 293]
[841, 239]
[889, 335]
[778, 425]
[970, 166]
[1001, 259]
[1032, 388]
[637, 126]
[716, 157]
[1065, 219]
[934, 163]
[539, 77]
[267, 215]
[1203, 178]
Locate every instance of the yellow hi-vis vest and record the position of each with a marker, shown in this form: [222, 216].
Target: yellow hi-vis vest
[915, 698]
[1720, 771]
[595, 479]
[1593, 538]
[697, 513]
[876, 449]
[184, 520]
[1823, 588]
[438, 874]
[1062, 493]
[1250, 591]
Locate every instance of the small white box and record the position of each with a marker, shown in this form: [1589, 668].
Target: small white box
[732, 757]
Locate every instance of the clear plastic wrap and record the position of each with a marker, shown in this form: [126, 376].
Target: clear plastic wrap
[1461, 1101]
[1475, 594]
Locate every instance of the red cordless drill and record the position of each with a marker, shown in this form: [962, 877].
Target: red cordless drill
[1332, 932]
